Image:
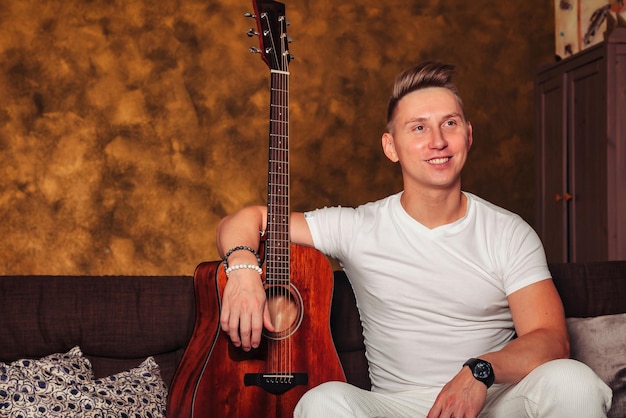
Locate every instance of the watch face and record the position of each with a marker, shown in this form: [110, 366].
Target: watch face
[482, 370]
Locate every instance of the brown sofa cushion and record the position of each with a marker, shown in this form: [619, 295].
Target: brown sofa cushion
[117, 321]
[591, 289]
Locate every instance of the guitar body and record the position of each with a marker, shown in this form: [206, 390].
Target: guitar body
[211, 378]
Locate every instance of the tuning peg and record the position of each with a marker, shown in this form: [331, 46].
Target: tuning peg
[252, 32]
[248, 14]
[254, 50]
[289, 39]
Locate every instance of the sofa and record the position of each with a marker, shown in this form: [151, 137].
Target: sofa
[108, 325]
[116, 322]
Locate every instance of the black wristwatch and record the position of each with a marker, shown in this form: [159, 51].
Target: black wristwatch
[481, 370]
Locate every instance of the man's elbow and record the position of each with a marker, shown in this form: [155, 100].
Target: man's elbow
[565, 348]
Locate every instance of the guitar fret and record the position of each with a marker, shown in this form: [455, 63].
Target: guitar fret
[282, 244]
[279, 264]
[278, 270]
[285, 239]
[285, 232]
[275, 216]
[279, 176]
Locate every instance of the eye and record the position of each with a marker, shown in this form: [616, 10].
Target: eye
[451, 124]
[420, 129]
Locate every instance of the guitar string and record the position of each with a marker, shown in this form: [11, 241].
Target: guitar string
[279, 176]
[285, 214]
[273, 236]
[286, 354]
[287, 209]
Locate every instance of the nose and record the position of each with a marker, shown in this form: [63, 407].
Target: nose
[438, 140]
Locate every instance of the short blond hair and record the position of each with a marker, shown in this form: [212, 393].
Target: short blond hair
[424, 75]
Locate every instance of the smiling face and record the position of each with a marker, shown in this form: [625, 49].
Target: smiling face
[430, 138]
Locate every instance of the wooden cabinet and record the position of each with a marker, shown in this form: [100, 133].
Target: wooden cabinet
[581, 154]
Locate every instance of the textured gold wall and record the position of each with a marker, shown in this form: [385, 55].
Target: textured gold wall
[128, 128]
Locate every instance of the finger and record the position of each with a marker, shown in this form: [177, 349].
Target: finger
[230, 324]
[434, 412]
[224, 317]
[245, 332]
[233, 332]
[267, 319]
[256, 330]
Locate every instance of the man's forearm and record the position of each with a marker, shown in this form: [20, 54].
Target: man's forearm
[525, 353]
[240, 229]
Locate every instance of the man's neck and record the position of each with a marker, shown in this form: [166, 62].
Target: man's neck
[435, 208]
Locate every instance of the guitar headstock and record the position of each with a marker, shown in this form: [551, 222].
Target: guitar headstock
[272, 30]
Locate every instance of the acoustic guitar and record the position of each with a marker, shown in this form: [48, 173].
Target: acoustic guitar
[216, 379]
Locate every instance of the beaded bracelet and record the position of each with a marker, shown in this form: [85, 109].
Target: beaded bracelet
[243, 266]
[238, 248]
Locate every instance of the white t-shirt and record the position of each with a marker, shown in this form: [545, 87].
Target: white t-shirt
[430, 299]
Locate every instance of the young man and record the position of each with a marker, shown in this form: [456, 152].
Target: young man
[459, 313]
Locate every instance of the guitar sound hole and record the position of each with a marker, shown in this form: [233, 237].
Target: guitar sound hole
[285, 306]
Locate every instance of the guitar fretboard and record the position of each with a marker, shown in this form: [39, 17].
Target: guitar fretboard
[278, 208]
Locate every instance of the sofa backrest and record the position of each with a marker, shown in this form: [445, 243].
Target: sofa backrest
[117, 321]
[591, 289]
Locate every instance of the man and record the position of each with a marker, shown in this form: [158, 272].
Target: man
[459, 313]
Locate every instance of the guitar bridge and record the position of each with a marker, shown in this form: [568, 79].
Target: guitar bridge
[276, 384]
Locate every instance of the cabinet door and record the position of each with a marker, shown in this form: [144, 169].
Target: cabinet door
[552, 150]
[587, 157]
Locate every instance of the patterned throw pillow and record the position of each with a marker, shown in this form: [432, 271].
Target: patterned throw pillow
[139, 392]
[62, 385]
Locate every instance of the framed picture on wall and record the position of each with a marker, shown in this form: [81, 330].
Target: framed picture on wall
[580, 24]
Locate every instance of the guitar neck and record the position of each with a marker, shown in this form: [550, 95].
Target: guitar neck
[278, 208]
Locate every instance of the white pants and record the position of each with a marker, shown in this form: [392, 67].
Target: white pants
[559, 388]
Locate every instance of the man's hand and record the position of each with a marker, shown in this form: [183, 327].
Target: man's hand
[244, 309]
[462, 397]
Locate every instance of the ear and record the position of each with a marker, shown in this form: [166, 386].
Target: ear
[388, 147]
[470, 137]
